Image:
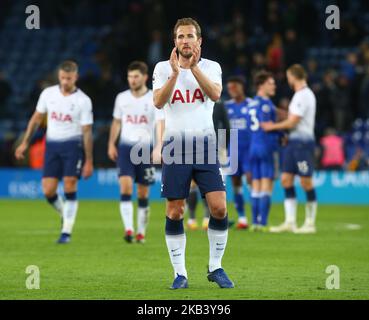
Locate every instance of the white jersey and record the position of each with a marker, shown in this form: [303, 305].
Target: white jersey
[138, 116]
[65, 114]
[303, 104]
[188, 108]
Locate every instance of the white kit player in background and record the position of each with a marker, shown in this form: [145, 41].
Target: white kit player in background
[139, 124]
[298, 156]
[68, 142]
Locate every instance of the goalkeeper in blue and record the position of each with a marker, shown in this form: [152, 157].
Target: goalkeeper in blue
[263, 149]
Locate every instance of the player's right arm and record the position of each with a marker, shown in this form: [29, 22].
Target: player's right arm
[162, 94]
[33, 124]
[114, 133]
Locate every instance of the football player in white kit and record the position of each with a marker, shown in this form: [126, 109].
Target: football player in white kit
[298, 156]
[136, 120]
[186, 87]
[69, 142]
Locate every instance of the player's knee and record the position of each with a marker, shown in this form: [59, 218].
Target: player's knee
[306, 184]
[286, 182]
[70, 185]
[175, 211]
[48, 190]
[219, 210]
[142, 192]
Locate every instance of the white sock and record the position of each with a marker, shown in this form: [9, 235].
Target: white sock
[69, 215]
[177, 247]
[126, 212]
[58, 205]
[217, 244]
[290, 208]
[142, 219]
[310, 212]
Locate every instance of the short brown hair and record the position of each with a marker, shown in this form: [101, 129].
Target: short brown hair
[261, 77]
[298, 71]
[187, 22]
[138, 65]
[68, 66]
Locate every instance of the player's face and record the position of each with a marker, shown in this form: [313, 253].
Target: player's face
[67, 80]
[270, 87]
[235, 89]
[186, 40]
[136, 80]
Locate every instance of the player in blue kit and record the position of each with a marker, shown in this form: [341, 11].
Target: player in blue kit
[68, 142]
[263, 146]
[237, 114]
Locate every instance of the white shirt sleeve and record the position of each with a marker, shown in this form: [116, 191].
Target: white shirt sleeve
[297, 107]
[215, 73]
[41, 103]
[159, 77]
[86, 115]
[117, 113]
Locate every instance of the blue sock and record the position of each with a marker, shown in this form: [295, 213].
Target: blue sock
[255, 199]
[264, 204]
[239, 201]
[173, 227]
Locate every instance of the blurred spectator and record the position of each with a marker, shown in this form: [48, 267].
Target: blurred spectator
[364, 95]
[275, 53]
[155, 51]
[333, 155]
[293, 50]
[5, 92]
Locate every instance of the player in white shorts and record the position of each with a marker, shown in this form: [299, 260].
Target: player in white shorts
[68, 142]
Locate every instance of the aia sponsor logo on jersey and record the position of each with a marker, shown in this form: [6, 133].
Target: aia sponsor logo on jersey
[136, 119]
[61, 117]
[187, 96]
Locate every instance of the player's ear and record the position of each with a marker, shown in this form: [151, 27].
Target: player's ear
[200, 41]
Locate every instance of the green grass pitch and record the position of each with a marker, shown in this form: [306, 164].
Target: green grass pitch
[98, 264]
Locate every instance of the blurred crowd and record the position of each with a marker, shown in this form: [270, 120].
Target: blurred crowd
[244, 37]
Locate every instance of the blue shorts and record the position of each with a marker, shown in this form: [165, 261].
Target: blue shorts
[298, 158]
[243, 161]
[177, 176]
[142, 173]
[63, 159]
[262, 167]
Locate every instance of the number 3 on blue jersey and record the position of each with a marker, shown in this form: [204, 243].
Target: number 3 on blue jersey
[254, 125]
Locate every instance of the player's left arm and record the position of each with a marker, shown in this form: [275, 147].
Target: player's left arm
[288, 124]
[86, 124]
[212, 89]
[159, 132]
[88, 167]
